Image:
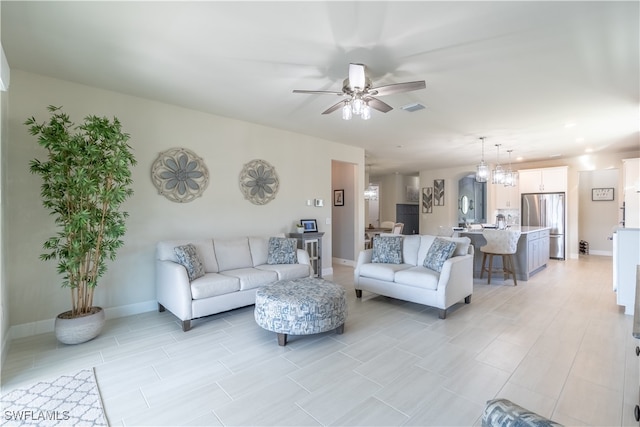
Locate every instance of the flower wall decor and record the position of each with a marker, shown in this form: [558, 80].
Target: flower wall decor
[180, 175]
[259, 182]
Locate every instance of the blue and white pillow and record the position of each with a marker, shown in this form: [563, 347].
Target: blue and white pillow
[387, 250]
[440, 251]
[282, 250]
[187, 255]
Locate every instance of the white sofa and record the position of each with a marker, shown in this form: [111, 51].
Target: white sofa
[411, 281]
[233, 271]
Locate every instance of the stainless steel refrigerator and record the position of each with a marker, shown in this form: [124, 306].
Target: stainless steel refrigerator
[547, 210]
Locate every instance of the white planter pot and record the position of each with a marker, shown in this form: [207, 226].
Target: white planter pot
[300, 230]
[79, 329]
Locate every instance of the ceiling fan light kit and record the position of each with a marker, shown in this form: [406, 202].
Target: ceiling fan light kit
[361, 96]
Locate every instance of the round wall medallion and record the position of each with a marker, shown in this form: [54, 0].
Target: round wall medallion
[259, 182]
[180, 175]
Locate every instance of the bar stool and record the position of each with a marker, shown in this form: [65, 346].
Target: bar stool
[505, 244]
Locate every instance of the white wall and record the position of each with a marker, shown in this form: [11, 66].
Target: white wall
[224, 144]
[344, 177]
[596, 219]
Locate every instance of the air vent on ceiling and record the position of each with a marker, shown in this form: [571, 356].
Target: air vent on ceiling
[413, 107]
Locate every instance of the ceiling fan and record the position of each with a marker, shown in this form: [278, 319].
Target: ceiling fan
[360, 96]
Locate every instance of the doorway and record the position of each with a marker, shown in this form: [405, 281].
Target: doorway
[373, 217]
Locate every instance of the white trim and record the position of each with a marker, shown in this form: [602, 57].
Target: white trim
[5, 72]
[341, 261]
[603, 253]
[44, 326]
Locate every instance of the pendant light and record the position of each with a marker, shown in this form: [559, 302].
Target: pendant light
[497, 175]
[482, 170]
[510, 176]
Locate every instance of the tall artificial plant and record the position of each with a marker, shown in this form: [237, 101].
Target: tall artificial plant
[86, 178]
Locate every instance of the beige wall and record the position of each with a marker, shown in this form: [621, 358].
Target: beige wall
[224, 144]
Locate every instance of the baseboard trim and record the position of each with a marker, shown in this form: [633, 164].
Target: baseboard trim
[342, 261]
[44, 326]
[602, 253]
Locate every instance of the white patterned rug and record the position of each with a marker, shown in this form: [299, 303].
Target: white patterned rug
[69, 400]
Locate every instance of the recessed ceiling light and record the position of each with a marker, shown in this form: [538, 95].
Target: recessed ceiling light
[569, 125]
[588, 150]
[519, 158]
[580, 139]
[555, 155]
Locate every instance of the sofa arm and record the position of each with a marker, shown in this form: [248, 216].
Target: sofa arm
[457, 269]
[303, 258]
[363, 258]
[173, 289]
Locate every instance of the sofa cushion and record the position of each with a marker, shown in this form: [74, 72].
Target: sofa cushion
[251, 278]
[462, 245]
[410, 247]
[287, 271]
[259, 247]
[420, 277]
[204, 247]
[439, 251]
[213, 284]
[187, 255]
[233, 253]
[387, 249]
[380, 271]
[282, 251]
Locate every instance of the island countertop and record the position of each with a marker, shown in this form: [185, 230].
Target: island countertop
[525, 229]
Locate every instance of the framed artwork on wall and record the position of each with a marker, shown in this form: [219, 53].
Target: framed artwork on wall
[338, 197]
[438, 192]
[601, 194]
[427, 200]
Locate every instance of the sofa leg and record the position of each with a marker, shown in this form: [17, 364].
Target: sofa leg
[358, 293]
[442, 314]
[340, 329]
[467, 299]
[282, 339]
[161, 308]
[186, 325]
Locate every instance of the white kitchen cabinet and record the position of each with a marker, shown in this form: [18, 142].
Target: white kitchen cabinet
[631, 195]
[507, 197]
[626, 258]
[544, 180]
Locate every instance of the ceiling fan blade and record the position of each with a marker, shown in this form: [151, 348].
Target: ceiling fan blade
[357, 77]
[318, 92]
[397, 88]
[376, 104]
[333, 108]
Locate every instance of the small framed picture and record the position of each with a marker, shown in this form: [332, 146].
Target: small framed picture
[338, 197]
[601, 194]
[309, 225]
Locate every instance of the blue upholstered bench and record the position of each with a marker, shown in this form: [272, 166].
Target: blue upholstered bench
[301, 307]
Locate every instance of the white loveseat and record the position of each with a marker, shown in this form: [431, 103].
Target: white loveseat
[233, 271]
[409, 280]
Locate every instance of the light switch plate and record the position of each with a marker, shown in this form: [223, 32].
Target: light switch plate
[327, 221]
[319, 203]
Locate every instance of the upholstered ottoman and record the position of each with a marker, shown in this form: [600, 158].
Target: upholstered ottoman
[301, 307]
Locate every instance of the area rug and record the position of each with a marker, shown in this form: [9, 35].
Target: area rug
[69, 400]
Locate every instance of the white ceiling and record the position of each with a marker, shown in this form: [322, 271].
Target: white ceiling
[515, 72]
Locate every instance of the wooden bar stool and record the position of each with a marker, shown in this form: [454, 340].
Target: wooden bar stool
[503, 243]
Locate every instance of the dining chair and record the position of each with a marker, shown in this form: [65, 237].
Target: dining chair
[387, 224]
[503, 243]
[397, 228]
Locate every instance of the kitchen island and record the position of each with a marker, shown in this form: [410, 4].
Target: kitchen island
[532, 254]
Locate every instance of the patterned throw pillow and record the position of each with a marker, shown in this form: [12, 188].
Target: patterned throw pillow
[282, 251]
[188, 256]
[387, 249]
[440, 251]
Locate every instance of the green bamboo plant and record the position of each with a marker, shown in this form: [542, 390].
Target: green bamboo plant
[86, 178]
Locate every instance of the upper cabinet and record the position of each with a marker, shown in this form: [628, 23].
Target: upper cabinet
[507, 197]
[545, 180]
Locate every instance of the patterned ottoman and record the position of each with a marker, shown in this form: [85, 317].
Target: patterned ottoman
[301, 307]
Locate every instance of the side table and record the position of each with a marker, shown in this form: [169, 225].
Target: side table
[312, 243]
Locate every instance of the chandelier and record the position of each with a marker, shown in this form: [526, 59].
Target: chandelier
[356, 106]
[482, 170]
[510, 176]
[497, 175]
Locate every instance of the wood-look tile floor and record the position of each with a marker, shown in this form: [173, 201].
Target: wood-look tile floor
[557, 344]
